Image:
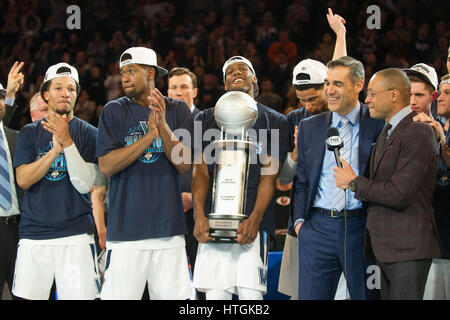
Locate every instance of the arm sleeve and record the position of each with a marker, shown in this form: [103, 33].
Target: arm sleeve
[82, 174]
[288, 170]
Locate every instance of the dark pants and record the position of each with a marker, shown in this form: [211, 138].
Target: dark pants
[9, 238]
[321, 254]
[404, 280]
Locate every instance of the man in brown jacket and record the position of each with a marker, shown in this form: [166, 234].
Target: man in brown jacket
[401, 228]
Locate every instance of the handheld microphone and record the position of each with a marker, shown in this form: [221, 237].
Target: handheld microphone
[334, 143]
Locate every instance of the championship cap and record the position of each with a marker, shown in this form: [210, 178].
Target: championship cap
[309, 71]
[61, 69]
[2, 91]
[424, 72]
[236, 59]
[142, 55]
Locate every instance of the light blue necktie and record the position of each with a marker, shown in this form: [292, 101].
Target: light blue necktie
[345, 132]
[5, 186]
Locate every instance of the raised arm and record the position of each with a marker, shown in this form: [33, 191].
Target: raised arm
[336, 23]
[169, 141]
[28, 174]
[119, 159]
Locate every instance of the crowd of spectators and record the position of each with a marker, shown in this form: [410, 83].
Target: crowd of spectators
[201, 34]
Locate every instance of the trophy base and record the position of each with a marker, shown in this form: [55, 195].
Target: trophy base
[223, 228]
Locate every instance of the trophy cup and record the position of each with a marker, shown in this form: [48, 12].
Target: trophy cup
[235, 112]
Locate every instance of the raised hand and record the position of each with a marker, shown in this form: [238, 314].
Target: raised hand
[15, 79]
[336, 22]
[158, 106]
[152, 126]
[57, 125]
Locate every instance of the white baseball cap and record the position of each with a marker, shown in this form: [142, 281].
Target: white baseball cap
[141, 55]
[2, 91]
[61, 69]
[425, 72]
[309, 71]
[234, 60]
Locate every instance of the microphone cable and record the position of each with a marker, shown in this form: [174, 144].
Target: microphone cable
[345, 246]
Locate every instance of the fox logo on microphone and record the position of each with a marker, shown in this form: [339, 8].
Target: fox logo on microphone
[335, 142]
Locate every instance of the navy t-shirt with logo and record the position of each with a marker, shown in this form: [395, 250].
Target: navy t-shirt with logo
[274, 143]
[144, 198]
[52, 207]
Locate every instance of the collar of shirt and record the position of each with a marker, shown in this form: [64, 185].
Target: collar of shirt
[352, 116]
[192, 108]
[399, 116]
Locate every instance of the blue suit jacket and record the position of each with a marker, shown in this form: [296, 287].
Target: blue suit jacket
[312, 134]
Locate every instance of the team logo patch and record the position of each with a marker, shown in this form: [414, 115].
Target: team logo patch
[58, 169]
[153, 152]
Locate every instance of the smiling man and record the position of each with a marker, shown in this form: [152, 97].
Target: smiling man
[223, 269]
[327, 241]
[55, 163]
[401, 227]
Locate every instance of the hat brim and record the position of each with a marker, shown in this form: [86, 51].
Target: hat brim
[418, 74]
[160, 72]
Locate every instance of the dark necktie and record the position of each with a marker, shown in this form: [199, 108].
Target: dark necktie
[381, 141]
[5, 186]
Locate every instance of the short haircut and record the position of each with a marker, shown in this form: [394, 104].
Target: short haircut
[446, 77]
[396, 79]
[304, 87]
[355, 66]
[179, 71]
[46, 84]
[428, 86]
[33, 100]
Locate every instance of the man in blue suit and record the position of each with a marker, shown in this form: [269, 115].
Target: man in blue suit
[330, 222]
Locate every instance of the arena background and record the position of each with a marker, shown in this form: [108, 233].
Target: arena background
[202, 34]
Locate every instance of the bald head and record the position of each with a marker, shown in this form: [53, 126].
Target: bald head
[396, 79]
[388, 92]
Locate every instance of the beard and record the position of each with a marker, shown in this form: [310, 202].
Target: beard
[63, 112]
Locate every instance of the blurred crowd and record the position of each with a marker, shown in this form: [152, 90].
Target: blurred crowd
[201, 34]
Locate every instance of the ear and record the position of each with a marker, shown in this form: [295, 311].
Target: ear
[255, 80]
[151, 72]
[394, 94]
[195, 90]
[46, 96]
[359, 85]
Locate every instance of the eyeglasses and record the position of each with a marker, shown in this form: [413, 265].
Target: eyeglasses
[371, 94]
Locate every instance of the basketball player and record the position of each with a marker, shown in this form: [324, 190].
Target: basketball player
[223, 269]
[138, 150]
[55, 164]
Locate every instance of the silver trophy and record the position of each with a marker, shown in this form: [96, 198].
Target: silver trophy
[235, 112]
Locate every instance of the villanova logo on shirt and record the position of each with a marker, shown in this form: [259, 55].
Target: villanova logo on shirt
[58, 169]
[153, 152]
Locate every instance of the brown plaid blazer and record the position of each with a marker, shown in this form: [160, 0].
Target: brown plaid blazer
[400, 219]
